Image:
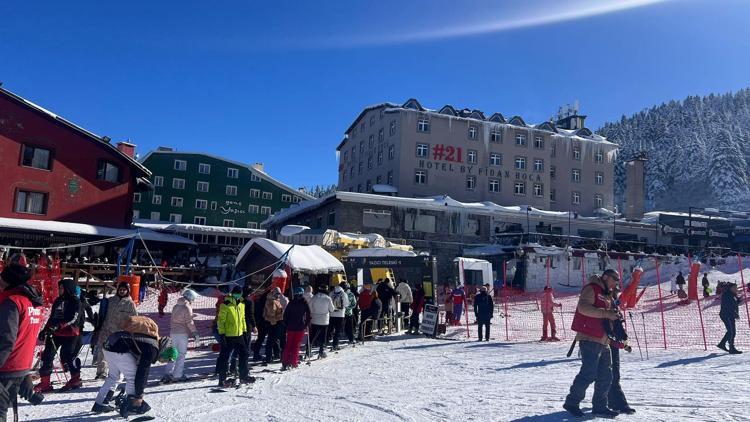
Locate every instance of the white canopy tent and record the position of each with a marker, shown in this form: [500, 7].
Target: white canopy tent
[474, 265]
[301, 259]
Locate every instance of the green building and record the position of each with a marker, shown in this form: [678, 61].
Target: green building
[202, 189]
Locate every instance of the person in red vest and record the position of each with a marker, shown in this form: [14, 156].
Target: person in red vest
[594, 307]
[20, 322]
[548, 315]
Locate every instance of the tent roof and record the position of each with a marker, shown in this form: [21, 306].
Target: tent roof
[304, 259]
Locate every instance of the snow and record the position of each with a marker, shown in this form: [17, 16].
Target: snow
[196, 228]
[305, 259]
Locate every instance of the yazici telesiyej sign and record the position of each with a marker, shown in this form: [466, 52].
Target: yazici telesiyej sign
[697, 226]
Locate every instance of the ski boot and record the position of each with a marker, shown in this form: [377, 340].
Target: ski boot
[181, 379]
[554, 338]
[129, 407]
[722, 346]
[44, 386]
[733, 351]
[605, 413]
[102, 408]
[73, 383]
[167, 379]
[544, 338]
[284, 367]
[322, 355]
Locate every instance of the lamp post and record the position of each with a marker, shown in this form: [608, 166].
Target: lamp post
[528, 225]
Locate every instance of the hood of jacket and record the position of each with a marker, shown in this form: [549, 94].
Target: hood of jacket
[338, 289]
[69, 287]
[28, 291]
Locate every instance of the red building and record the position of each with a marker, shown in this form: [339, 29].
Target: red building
[52, 169]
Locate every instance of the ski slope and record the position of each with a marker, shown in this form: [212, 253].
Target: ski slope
[404, 378]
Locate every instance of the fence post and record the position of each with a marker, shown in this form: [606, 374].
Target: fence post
[505, 291]
[744, 289]
[619, 272]
[661, 303]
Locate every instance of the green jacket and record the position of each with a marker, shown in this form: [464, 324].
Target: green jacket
[352, 303]
[231, 321]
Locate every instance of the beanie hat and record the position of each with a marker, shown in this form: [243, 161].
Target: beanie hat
[15, 275]
[612, 273]
[298, 291]
[237, 289]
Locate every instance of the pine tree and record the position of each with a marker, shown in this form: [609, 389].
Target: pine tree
[728, 170]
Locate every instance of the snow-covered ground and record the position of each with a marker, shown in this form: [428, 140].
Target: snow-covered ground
[404, 378]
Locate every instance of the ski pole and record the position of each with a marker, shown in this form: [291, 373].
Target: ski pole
[645, 338]
[636, 334]
[562, 321]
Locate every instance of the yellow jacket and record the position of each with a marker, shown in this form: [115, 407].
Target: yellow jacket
[231, 321]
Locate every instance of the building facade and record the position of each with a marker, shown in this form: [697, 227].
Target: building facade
[412, 151]
[197, 188]
[55, 170]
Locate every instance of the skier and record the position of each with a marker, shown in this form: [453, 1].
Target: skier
[405, 296]
[616, 397]
[273, 314]
[130, 352]
[484, 309]
[448, 305]
[62, 331]
[321, 310]
[232, 330]
[340, 302]
[376, 311]
[548, 316]
[20, 322]
[181, 326]
[113, 312]
[459, 298]
[594, 306]
[386, 292]
[297, 319]
[680, 281]
[706, 285]
[350, 315]
[417, 305]
[729, 313]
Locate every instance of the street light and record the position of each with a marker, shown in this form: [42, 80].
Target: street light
[528, 224]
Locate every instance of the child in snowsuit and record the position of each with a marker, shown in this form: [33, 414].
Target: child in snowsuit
[548, 316]
[182, 326]
[459, 297]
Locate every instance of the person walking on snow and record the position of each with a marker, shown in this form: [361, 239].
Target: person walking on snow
[405, 296]
[181, 327]
[729, 314]
[297, 319]
[680, 281]
[340, 301]
[20, 323]
[321, 310]
[594, 307]
[706, 285]
[113, 312]
[232, 329]
[484, 308]
[417, 306]
[62, 331]
[616, 397]
[548, 315]
[350, 319]
[459, 298]
[273, 313]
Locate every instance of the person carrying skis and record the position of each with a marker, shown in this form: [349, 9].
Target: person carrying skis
[297, 319]
[706, 285]
[321, 310]
[130, 352]
[113, 312]
[594, 307]
[484, 308]
[350, 317]
[232, 329]
[459, 298]
[340, 301]
[62, 331]
[548, 316]
[405, 296]
[20, 323]
[181, 327]
[273, 314]
[417, 306]
[729, 314]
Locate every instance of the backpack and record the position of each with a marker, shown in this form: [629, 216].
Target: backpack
[338, 301]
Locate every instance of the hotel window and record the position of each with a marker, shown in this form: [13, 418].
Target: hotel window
[214, 205]
[520, 163]
[471, 182]
[231, 190]
[599, 157]
[38, 158]
[253, 209]
[422, 150]
[538, 190]
[201, 204]
[472, 132]
[180, 165]
[389, 178]
[285, 197]
[204, 168]
[178, 183]
[28, 202]
[368, 186]
[296, 199]
[359, 187]
[599, 178]
[576, 175]
[380, 157]
[176, 201]
[158, 181]
[252, 225]
[381, 135]
[201, 221]
[496, 159]
[379, 180]
[576, 198]
[539, 142]
[155, 215]
[598, 201]
[520, 140]
[265, 210]
[420, 177]
[471, 156]
[576, 153]
[228, 223]
[372, 121]
[494, 185]
[423, 125]
[553, 151]
[136, 197]
[351, 172]
[255, 178]
[362, 147]
[233, 173]
[175, 218]
[361, 167]
[202, 187]
[392, 129]
[552, 195]
[519, 188]
[108, 172]
[552, 172]
[255, 193]
[538, 165]
[267, 196]
[391, 152]
[371, 141]
[156, 200]
[496, 135]
[362, 127]
[369, 162]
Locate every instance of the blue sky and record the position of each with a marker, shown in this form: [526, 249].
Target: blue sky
[279, 82]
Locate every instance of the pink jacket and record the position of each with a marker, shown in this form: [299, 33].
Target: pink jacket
[548, 302]
[182, 318]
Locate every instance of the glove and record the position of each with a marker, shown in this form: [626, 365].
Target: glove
[26, 389]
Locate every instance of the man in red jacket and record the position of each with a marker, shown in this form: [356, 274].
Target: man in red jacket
[20, 321]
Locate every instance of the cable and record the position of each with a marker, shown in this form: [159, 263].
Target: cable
[78, 245]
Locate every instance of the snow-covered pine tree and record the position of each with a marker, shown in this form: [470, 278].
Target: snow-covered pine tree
[728, 171]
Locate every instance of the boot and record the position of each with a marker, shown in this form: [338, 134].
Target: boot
[73, 383]
[605, 413]
[573, 410]
[108, 397]
[722, 346]
[44, 386]
[544, 338]
[167, 378]
[102, 408]
[733, 351]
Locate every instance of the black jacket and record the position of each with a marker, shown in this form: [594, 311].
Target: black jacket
[385, 292]
[484, 307]
[729, 305]
[297, 315]
[144, 348]
[66, 318]
[704, 282]
[680, 280]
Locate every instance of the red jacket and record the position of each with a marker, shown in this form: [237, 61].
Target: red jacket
[365, 300]
[418, 304]
[20, 322]
[590, 326]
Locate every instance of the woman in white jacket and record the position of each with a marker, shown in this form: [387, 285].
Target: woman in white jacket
[321, 307]
[181, 326]
[340, 302]
[405, 295]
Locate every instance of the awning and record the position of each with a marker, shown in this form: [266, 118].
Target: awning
[303, 259]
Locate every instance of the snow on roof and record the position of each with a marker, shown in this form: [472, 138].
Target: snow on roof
[196, 228]
[304, 259]
[653, 216]
[384, 189]
[379, 252]
[87, 230]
